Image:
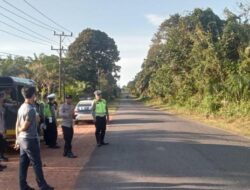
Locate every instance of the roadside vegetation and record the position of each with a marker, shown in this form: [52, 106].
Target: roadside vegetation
[89, 64]
[199, 64]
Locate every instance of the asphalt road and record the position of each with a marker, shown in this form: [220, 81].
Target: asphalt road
[152, 150]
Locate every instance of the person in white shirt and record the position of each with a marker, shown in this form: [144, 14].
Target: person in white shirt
[66, 111]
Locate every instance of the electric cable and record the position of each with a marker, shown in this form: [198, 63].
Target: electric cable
[10, 33]
[45, 16]
[37, 20]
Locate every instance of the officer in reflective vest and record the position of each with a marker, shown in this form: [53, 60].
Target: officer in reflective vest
[100, 116]
[51, 123]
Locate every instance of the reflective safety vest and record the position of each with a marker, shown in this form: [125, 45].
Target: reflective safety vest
[100, 107]
[47, 110]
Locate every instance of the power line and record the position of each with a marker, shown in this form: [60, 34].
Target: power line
[28, 28]
[23, 31]
[68, 43]
[37, 20]
[22, 37]
[25, 19]
[46, 16]
[64, 42]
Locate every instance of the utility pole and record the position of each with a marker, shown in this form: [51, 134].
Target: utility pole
[97, 76]
[98, 79]
[60, 50]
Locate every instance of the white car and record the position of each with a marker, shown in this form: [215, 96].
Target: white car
[83, 111]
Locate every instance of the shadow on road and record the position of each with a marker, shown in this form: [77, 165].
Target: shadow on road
[169, 186]
[134, 121]
[169, 154]
[150, 113]
[159, 155]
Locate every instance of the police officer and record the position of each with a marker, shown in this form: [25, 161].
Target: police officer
[3, 142]
[50, 122]
[66, 111]
[39, 106]
[100, 116]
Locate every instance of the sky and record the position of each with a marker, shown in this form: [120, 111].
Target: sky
[131, 23]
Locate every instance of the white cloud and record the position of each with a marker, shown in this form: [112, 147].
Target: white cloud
[130, 66]
[133, 50]
[156, 20]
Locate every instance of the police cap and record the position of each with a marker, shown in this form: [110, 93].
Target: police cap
[51, 96]
[98, 92]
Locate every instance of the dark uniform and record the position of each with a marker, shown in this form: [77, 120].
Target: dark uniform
[50, 133]
[100, 116]
[3, 142]
[39, 107]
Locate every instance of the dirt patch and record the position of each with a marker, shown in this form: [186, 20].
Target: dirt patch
[60, 172]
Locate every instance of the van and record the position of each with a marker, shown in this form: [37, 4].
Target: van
[12, 87]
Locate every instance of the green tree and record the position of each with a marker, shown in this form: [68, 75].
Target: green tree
[15, 66]
[93, 55]
[199, 61]
[44, 70]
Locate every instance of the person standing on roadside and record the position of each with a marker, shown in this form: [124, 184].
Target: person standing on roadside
[50, 122]
[28, 142]
[39, 110]
[100, 116]
[66, 111]
[3, 142]
[43, 126]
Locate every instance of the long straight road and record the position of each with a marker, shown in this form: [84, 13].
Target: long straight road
[152, 150]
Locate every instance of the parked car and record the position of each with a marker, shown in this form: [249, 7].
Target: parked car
[83, 111]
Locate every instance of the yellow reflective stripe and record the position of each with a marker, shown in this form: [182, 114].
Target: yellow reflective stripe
[101, 115]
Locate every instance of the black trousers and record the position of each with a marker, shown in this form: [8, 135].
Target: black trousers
[3, 145]
[50, 134]
[68, 133]
[45, 136]
[100, 126]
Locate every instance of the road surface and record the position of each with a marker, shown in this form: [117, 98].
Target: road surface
[152, 150]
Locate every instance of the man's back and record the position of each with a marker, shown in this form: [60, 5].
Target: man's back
[27, 113]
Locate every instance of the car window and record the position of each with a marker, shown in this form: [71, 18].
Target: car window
[84, 104]
[84, 107]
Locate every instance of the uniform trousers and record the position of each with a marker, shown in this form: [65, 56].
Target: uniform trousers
[68, 133]
[50, 134]
[3, 145]
[100, 125]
